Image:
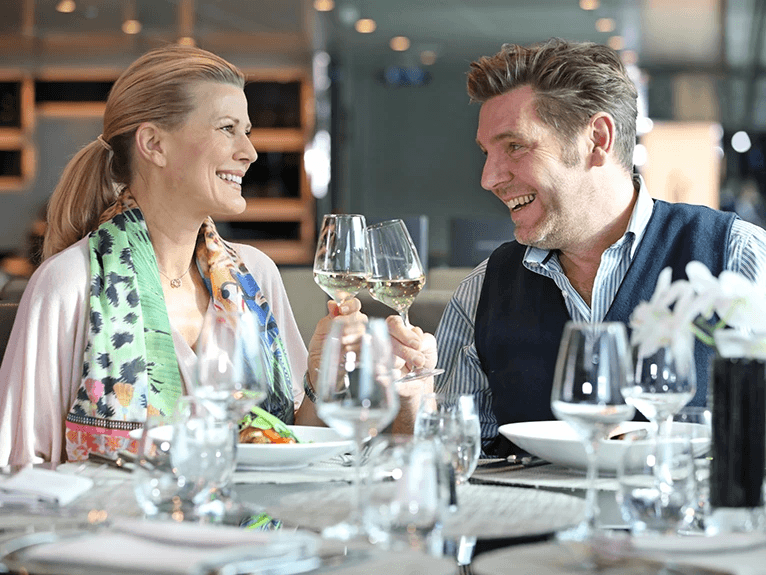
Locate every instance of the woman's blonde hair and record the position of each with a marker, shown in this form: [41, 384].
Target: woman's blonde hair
[155, 88]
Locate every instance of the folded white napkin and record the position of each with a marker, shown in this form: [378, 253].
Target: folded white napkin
[170, 548]
[33, 484]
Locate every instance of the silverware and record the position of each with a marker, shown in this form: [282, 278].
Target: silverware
[633, 434]
[120, 462]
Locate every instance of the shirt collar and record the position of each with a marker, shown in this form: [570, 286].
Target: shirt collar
[639, 219]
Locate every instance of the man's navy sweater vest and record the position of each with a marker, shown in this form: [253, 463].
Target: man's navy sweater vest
[521, 314]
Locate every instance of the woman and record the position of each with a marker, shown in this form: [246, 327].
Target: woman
[106, 330]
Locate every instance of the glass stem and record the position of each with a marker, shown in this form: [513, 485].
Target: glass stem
[591, 506]
[405, 315]
[358, 501]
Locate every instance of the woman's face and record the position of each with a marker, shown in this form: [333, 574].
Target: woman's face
[207, 157]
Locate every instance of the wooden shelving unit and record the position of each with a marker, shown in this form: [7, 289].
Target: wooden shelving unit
[279, 218]
[18, 157]
[280, 214]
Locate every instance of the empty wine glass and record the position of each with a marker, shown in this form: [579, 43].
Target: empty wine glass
[232, 362]
[665, 381]
[592, 370]
[356, 396]
[340, 262]
[452, 420]
[396, 274]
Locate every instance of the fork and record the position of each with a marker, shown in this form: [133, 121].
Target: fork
[347, 459]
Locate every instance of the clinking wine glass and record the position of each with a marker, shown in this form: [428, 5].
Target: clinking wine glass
[340, 262]
[396, 274]
[357, 397]
[592, 370]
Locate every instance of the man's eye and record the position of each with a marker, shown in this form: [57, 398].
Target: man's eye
[514, 147]
[229, 128]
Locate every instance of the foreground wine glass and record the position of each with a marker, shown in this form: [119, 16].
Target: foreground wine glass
[232, 362]
[451, 419]
[356, 396]
[592, 370]
[665, 381]
[396, 274]
[233, 366]
[340, 262]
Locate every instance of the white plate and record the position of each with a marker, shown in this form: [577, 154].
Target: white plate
[557, 442]
[317, 443]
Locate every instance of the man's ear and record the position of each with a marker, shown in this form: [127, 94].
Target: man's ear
[601, 133]
[150, 144]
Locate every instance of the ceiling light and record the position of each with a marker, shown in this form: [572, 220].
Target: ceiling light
[605, 25]
[427, 57]
[616, 43]
[131, 26]
[629, 57]
[741, 142]
[187, 41]
[589, 4]
[399, 43]
[365, 25]
[66, 6]
[323, 5]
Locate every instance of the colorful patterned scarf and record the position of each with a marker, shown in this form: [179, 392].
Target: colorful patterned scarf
[130, 369]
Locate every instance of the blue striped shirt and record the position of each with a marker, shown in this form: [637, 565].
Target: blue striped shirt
[746, 254]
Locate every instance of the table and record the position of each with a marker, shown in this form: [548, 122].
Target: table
[511, 497]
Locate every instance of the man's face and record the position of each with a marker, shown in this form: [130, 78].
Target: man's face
[528, 169]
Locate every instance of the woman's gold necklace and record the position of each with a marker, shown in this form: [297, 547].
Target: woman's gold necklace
[175, 282]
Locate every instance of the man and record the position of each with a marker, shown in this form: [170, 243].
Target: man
[557, 127]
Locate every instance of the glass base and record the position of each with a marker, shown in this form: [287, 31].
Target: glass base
[734, 520]
[344, 531]
[419, 374]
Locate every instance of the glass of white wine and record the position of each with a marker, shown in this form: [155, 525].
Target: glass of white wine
[396, 274]
[340, 262]
[593, 369]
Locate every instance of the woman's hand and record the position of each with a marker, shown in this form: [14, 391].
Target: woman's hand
[351, 309]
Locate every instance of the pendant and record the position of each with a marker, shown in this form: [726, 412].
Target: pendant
[176, 283]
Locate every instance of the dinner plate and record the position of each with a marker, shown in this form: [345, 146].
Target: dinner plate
[317, 443]
[557, 442]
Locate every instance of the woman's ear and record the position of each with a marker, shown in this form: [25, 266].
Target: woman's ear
[601, 134]
[150, 144]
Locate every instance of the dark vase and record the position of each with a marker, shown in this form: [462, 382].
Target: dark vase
[738, 398]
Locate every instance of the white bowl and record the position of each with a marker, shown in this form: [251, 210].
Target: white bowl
[557, 442]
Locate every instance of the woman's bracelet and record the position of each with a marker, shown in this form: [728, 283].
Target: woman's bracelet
[308, 388]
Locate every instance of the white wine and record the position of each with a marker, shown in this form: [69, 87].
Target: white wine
[340, 286]
[397, 294]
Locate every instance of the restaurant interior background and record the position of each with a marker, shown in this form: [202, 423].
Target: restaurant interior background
[379, 122]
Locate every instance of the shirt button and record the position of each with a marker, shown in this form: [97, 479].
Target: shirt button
[565, 294]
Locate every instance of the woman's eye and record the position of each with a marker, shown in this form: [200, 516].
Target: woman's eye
[229, 128]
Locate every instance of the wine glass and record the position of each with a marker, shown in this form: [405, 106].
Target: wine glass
[452, 420]
[592, 370]
[396, 275]
[232, 362]
[233, 376]
[665, 381]
[340, 262]
[356, 396]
